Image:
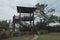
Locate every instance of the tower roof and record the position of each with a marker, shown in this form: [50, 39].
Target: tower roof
[25, 9]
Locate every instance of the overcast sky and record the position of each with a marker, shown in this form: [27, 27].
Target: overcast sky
[8, 7]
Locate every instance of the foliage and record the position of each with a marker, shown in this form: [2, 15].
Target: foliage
[4, 35]
[17, 33]
[57, 28]
[43, 31]
[41, 25]
[41, 7]
[43, 12]
[52, 18]
[4, 24]
[47, 18]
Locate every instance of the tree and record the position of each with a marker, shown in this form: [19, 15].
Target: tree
[41, 8]
[46, 18]
[4, 24]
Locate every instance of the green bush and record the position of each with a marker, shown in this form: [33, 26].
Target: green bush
[17, 33]
[4, 35]
[25, 33]
[43, 31]
[11, 34]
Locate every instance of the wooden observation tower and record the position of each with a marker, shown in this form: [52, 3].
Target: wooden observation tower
[30, 18]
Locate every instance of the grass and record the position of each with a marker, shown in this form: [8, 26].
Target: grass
[22, 38]
[50, 36]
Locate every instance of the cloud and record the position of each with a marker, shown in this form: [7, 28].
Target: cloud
[8, 7]
[52, 4]
[27, 2]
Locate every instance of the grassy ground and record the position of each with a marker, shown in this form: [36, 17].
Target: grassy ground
[22, 38]
[50, 36]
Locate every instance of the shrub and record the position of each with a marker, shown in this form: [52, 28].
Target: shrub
[11, 34]
[17, 33]
[43, 31]
[4, 35]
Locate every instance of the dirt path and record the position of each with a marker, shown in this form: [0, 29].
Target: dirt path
[35, 37]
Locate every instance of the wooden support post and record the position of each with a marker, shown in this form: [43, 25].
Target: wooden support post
[30, 19]
[14, 23]
[33, 25]
[33, 20]
[20, 17]
[13, 27]
[20, 14]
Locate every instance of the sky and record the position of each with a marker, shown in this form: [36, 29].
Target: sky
[8, 7]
